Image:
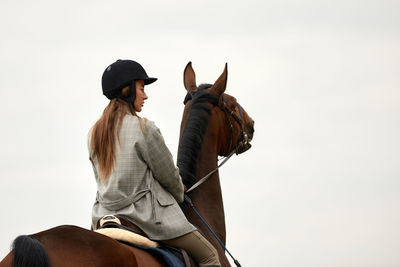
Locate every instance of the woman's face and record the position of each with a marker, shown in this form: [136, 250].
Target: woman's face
[140, 95]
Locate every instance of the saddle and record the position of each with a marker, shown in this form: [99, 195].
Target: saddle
[122, 229]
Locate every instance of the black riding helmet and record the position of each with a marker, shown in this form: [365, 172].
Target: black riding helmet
[120, 74]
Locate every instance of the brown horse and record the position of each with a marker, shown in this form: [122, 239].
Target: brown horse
[213, 124]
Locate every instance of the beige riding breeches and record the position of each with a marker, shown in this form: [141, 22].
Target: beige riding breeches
[198, 247]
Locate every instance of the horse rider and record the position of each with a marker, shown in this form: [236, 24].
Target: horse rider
[134, 170]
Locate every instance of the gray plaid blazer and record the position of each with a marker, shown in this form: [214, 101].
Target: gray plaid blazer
[145, 184]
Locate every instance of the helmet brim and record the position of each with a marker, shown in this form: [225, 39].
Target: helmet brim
[149, 80]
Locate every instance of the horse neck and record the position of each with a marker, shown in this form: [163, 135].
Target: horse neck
[207, 198]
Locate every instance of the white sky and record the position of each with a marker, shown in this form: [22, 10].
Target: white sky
[320, 187]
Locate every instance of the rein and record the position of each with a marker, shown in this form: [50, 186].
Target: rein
[190, 203]
[202, 180]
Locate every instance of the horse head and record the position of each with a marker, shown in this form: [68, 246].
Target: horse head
[234, 125]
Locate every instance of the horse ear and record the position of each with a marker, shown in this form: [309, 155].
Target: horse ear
[219, 86]
[189, 78]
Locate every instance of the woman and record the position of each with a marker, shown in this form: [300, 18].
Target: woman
[135, 173]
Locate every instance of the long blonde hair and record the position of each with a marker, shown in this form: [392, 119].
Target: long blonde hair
[102, 142]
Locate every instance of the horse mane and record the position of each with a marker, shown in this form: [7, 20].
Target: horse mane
[192, 137]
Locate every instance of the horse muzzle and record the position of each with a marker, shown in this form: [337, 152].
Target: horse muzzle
[244, 144]
[247, 136]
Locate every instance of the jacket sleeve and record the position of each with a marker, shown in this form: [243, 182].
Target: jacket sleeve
[161, 163]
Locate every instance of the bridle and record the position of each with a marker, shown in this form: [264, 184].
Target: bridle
[243, 143]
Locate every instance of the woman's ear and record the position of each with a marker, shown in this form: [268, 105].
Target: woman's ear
[126, 91]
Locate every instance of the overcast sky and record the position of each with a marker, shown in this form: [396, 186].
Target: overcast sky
[320, 187]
